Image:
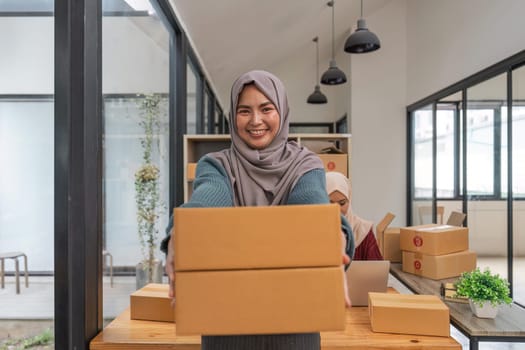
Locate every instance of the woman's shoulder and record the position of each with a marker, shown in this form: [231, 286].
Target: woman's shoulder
[208, 164]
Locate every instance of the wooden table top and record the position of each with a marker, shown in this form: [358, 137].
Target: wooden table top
[510, 321]
[124, 333]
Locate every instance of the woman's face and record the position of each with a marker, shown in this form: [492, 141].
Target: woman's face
[339, 198]
[257, 119]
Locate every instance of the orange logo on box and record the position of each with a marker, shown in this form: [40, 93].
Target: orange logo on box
[418, 241]
[417, 264]
[330, 165]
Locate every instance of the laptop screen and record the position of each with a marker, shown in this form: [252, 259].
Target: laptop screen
[363, 276]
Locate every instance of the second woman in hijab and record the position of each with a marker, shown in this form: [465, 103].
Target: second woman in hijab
[340, 191]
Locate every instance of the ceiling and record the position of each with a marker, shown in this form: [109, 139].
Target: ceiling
[233, 36]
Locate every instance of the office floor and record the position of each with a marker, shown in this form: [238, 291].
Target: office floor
[31, 312]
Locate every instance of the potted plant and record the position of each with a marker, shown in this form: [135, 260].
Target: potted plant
[147, 192]
[485, 291]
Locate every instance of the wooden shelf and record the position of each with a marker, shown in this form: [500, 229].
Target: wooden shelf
[196, 146]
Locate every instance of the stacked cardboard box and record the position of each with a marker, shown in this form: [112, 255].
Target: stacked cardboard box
[436, 251]
[258, 270]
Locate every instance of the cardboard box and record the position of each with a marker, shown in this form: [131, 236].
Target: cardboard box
[388, 239]
[335, 162]
[152, 303]
[190, 171]
[434, 239]
[408, 314]
[257, 237]
[391, 249]
[260, 301]
[439, 266]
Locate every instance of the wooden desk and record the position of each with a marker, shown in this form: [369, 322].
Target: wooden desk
[123, 333]
[508, 326]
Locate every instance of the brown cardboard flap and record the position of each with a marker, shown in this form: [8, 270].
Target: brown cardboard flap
[257, 237]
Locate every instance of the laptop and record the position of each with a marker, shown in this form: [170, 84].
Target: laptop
[363, 276]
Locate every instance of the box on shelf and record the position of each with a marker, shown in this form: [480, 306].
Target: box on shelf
[257, 237]
[439, 266]
[152, 303]
[434, 239]
[408, 314]
[262, 301]
[391, 250]
[191, 169]
[335, 162]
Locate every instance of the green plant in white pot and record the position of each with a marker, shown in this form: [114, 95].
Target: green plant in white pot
[147, 192]
[485, 291]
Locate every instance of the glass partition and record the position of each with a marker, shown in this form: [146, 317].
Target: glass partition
[27, 169]
[135, 59]
[518, 183]
[191, 100]
[486, 149]
[422, 166]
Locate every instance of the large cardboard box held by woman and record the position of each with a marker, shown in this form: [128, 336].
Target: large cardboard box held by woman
[258, 270]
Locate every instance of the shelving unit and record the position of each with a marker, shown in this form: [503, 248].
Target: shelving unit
[196, 146]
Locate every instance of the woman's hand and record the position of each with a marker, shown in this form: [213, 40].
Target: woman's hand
[346, 261]
[170, 271]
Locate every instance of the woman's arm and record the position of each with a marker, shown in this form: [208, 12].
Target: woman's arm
[211, 188]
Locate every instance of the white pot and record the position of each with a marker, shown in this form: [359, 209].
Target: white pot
[487, 310]
[143, 276]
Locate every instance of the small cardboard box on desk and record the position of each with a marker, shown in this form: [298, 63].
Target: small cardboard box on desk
[151, 303]
[436, 251]
[408, 314]
[258, 270]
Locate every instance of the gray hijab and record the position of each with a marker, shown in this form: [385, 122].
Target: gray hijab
[264, 177]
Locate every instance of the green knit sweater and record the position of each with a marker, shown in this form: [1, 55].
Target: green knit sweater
[212, 188]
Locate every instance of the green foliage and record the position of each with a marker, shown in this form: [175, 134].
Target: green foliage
[147, 187]
[44, 338]
[483, 286]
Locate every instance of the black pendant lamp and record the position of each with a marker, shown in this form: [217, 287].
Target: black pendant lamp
[362, 40]
[317, 97]
[333, 76]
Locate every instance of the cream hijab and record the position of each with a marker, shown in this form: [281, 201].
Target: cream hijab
[264, 177]
[336, 181]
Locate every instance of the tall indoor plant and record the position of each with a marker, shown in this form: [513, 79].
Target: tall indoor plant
[147, 191]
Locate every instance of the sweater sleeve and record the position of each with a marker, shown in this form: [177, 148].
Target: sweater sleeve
[368, 249]
[211, 188]
[311, 189]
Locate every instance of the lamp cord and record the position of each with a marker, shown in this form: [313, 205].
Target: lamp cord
[361, 8]
[333, 30]
[316, 39]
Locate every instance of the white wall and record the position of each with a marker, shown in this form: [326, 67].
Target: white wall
[378, 81]
[449, 40]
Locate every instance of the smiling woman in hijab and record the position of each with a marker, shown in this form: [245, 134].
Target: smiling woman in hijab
[260, 168]
[340, 191]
